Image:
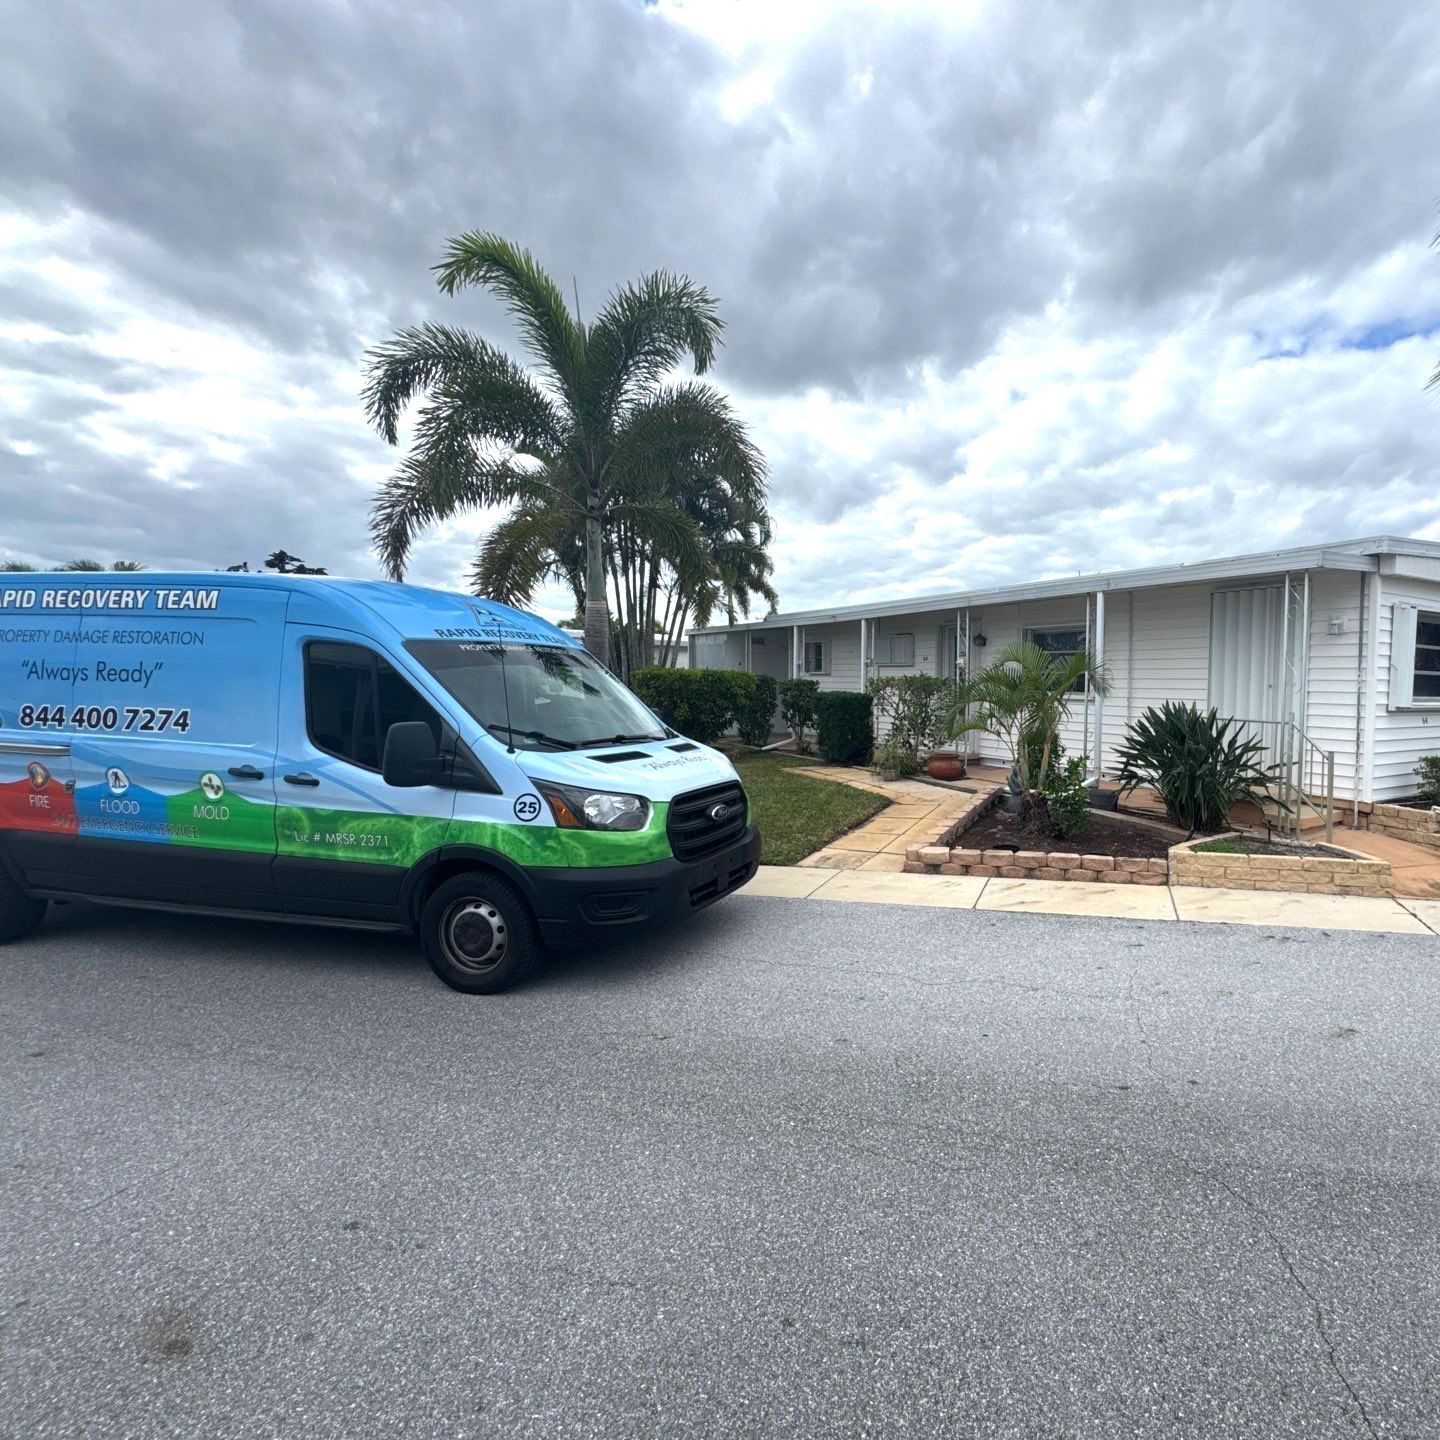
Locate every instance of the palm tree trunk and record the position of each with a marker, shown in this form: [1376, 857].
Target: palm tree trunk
[597, 608]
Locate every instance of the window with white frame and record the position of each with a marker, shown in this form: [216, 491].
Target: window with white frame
[1062, 643]
[1427, 656]
[1415, 658]
[898, 649]
[817, 657]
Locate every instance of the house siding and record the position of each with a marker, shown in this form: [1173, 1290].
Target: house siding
[1157, 649]
[1401, 736]
[1333, 686]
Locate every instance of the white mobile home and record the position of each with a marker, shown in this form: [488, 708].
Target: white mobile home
[1332, 651]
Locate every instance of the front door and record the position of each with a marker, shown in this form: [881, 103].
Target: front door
[346, 838]
[1246, 640]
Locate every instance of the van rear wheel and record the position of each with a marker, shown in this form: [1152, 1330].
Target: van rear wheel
[19, 913]
[478, 933]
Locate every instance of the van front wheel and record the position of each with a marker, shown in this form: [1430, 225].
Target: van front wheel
[478, 933]
[19, 914]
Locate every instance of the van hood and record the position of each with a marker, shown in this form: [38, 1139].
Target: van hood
[657, 770]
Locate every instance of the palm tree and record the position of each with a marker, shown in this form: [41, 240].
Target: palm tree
[89, 566]
[1021, 699]
[17, 567]
[584, 445]
[660, 586]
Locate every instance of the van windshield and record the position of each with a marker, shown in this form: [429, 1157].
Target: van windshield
[559, 698]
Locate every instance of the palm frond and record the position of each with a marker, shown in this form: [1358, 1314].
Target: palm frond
[423, 491]
[646, 330]
[531, 297]
[524, 550]
[504, 403]
[688, 426]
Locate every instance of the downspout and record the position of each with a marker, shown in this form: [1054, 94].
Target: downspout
[1085, 708]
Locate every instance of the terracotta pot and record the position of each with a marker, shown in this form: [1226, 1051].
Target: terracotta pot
[941, 766]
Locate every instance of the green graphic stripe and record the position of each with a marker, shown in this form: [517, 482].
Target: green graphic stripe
[382, 839]
[230, 823]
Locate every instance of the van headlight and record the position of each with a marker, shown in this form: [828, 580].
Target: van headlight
[576, 809]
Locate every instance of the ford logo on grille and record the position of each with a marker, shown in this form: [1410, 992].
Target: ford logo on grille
[723, 811]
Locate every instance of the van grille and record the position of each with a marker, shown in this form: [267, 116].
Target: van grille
[694, 832]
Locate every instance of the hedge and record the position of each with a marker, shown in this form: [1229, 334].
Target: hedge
[700, 704]
[797, 705]
[755, 718]
[843, 731]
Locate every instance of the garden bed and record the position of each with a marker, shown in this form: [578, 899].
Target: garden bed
[1241, 844]
[1102, 836]
[1110, 851]
[1245, 862]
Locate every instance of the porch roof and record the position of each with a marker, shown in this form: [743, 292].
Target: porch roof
[1332, 555]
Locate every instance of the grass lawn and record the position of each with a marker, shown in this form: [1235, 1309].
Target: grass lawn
[797, 816]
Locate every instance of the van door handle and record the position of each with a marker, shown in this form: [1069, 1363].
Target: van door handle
[246, 772]
[301, 779]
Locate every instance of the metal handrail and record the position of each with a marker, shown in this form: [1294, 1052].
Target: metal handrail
[1305, 774]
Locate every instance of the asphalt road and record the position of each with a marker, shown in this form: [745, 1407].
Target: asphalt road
[800, 1168]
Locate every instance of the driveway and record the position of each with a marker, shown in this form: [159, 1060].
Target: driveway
[800, 1169]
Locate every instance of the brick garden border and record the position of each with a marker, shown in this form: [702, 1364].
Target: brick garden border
[942, 857]
[1402, 822]
[1348, 874]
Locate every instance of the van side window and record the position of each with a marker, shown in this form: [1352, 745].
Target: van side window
[353, 697]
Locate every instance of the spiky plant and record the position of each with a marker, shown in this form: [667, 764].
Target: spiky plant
[1198, 764]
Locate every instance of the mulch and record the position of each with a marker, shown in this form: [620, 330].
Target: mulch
[999, 831]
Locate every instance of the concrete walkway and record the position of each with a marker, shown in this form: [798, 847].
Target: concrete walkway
[1405, 916]
[911, 819]
[1415, 868]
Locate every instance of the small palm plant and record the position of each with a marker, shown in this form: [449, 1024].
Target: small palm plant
[1198, 764]
[1022, 699]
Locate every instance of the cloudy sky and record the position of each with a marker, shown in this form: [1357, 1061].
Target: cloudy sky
[1013, 288]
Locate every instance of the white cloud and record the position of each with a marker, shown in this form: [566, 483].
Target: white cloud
[1011, 290]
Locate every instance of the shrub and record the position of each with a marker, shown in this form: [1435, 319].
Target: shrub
[843, 731]
[1429, 772]
[797, 706]
[1022, 698]
[700, 704]
[1198, 764]
[914, 705]
[754, 718]
[1067, 798]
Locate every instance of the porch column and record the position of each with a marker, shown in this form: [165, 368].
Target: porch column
[1099, 647]
[864, 656]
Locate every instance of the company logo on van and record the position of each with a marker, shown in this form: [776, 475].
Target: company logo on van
[723, 811]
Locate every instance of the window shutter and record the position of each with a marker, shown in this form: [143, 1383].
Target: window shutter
[1402, 656]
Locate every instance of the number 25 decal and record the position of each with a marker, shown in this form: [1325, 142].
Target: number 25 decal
[527, 807]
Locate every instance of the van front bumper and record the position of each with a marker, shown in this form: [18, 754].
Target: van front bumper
[580, 906]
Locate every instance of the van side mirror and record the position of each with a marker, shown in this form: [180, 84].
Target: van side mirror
[410, 757]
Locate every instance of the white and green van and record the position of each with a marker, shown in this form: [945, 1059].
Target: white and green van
[345, 752]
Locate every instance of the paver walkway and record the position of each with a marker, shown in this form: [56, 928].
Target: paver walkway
[879, 844]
